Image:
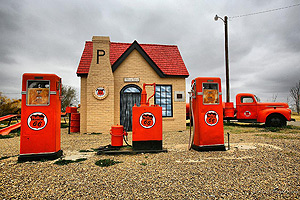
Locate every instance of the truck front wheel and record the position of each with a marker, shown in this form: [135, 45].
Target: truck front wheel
[275, 120]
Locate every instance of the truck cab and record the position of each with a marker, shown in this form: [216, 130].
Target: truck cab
[249, 109]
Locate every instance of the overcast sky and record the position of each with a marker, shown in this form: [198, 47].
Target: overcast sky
[48, 36]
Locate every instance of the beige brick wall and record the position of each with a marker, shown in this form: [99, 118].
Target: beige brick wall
[100, 113]
[83, 104]
[135, 66]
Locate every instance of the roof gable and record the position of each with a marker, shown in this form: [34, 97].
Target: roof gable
[164, 59]
[136, 46]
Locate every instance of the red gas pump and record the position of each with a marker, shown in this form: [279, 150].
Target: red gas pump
[146, 130]
[147, 124]
[40, 117]
[207, 114]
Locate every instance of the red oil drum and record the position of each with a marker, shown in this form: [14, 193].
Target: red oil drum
[117, 132]
[71, 109]
[75, 123]
[229, 110]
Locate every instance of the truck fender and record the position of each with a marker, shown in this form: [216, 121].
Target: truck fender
[263, 114]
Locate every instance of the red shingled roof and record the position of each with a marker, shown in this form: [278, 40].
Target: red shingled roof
[166, 57]
[86, 59]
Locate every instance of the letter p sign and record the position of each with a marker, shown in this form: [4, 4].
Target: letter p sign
[100, 53]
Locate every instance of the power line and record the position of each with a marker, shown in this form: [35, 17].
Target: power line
[265, 11]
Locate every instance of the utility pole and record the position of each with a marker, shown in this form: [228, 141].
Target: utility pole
[225, 20]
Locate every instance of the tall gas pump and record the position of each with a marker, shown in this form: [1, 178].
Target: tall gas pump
[40, 117]
[207, 114]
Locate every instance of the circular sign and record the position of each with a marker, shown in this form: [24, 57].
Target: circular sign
[147, 120]
[211, 118]
[247, 113]
[37, 121]
[100, 92]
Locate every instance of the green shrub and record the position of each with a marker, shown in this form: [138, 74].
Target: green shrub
[65, 162]
[106, 162]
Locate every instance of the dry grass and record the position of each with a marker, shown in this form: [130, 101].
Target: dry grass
[296, 116]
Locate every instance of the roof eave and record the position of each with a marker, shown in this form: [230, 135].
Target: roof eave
[177, 76]
[82, 74]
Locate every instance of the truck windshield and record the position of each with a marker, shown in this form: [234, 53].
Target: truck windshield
[257, 98]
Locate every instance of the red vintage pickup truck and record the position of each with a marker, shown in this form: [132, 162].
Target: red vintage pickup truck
[249, 109]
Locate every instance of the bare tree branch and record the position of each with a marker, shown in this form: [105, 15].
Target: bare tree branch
[295, 94]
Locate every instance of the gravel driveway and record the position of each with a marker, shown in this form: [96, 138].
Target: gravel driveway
[255, 167]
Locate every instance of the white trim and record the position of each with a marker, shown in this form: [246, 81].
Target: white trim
[275, 106]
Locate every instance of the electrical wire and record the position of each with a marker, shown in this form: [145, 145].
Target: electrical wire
[265, 11]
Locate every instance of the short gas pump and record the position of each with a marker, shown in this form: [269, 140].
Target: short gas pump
[40, 117]
[207, 114]
[147, 124]
[146, 130]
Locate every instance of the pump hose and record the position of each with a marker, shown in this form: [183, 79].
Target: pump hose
[191, 114]
[126, 140]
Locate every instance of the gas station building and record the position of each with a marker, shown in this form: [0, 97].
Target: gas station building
[112, 76]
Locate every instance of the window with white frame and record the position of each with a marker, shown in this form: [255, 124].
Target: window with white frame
[163, 98]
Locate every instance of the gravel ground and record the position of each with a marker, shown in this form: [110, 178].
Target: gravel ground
[255, 167]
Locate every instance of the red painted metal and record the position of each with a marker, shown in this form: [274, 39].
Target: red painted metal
[117, 132]
[71, 109]
[7, 130]
[144, 101]
[40, 114]
[75, 122]
[147, 122]
[207, 112]
[7, 117]
[229, 110]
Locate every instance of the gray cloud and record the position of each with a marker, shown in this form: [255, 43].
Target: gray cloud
[49, 36]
